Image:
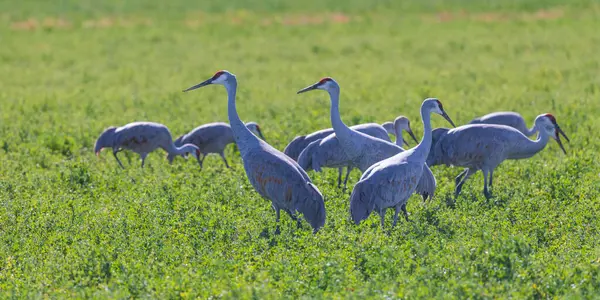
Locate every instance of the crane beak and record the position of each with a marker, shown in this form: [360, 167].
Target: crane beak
[98, 154]
[412, 135]
[558, 130]
[199, 85]
[445, 115]
[308, 88]
[557, 138]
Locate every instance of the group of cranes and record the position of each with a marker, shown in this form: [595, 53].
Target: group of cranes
[390, 173]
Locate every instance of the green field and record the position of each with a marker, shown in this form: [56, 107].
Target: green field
[74, 225]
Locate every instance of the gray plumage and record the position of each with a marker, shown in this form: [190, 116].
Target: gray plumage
[507, 118]
[361, 149]
[299, 143]
[273, 175]
[327, 153]
[390, 182]
[141, 138]
[212, 138]
[484, 146]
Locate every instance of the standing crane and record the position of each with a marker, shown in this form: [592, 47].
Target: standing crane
[364, 150]
[484, 146]
[212, 138]
[142, 138]
[508, 118]
[390, 182]
[327, 152]
[273, 175]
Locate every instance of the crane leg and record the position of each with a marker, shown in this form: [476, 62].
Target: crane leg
[340, 177]
[295, 218]
[382, 216]
[405, 212]
[143, 155]
[277, 231]
[224, 160]
[117, 158]
[491, 177]
[396, 215]
[463, 180]
[486, 192]
[348, 170]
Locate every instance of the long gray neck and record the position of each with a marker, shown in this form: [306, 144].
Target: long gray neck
[342, 132]
[421, 151]
[529, 148]
[174, 150]
[241, 133]
[531, 130]
[398, 132]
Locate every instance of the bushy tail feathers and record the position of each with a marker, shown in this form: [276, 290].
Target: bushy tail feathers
[294, 148]
[306, 157]
[427, 184]
[312, 206]
[361, 201]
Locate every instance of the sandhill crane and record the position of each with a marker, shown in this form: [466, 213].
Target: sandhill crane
[273, 175]
[402, 123]
[327, 152]
[508, 118]
[299, 143]
[390, 182]
[484, 146]
[364, 150]
[142, 138]
[212, 138]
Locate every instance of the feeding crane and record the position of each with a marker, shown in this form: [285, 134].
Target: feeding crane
[212, 138]
[141, 138]
[484, 146]
[274, 175]
[508, 118]
[390, 182]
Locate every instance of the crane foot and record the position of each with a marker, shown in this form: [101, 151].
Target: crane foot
[487, 194]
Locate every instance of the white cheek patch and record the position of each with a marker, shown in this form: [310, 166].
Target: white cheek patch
[220, 79]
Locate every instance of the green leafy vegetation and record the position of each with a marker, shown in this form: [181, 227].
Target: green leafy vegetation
[74, 225]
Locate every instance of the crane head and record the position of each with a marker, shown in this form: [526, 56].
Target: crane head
[253, 126]
[558, 130]
[220, 77]
[325, 83]
[436, 106]
[105, 140]
[402, 123]
[547, 122]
